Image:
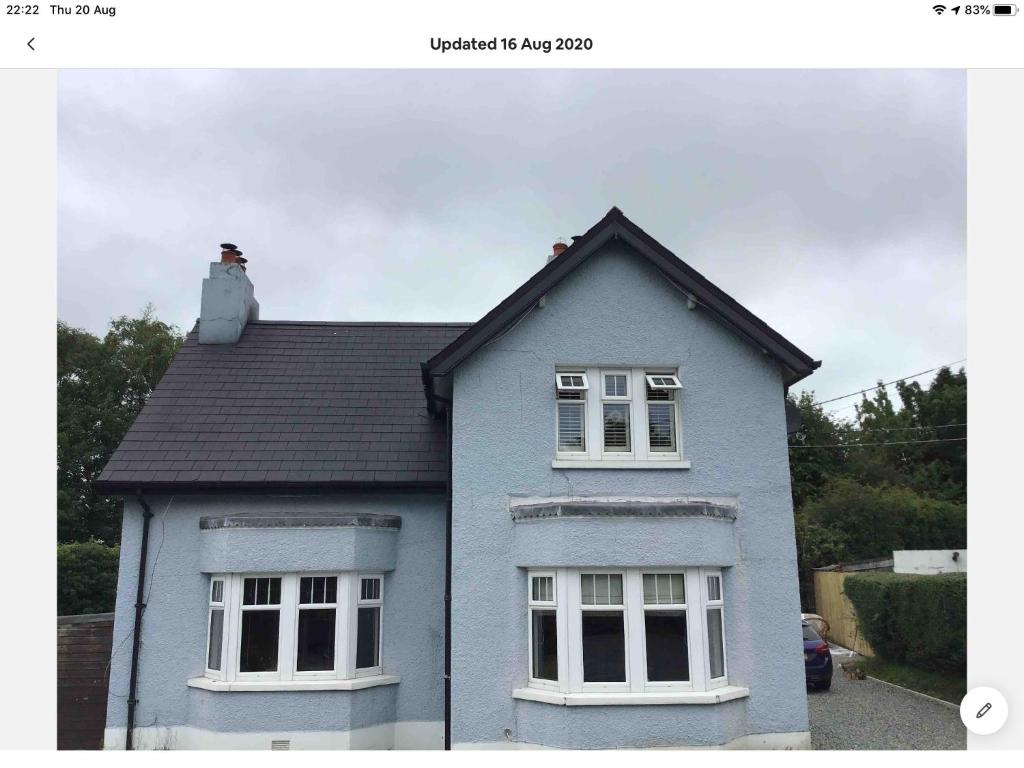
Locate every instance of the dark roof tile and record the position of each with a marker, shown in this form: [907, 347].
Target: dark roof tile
[291, 403]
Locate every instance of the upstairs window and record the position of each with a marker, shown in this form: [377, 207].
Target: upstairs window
[661, 413]
[571, 391]
[632, 414]
[572, 381]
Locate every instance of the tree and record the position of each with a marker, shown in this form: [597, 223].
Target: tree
[937, 415]
[811, 468]
[101, 387]
[88, 578]
[855, 499]
[851, 522]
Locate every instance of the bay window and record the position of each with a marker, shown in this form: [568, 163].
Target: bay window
[627, 630]
[267, 627]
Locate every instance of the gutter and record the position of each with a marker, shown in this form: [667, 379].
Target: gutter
[448, 593]
[140, 606]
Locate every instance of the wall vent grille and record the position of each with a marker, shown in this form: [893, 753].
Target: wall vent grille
[280, 745]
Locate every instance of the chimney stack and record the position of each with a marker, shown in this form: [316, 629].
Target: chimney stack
[229, 301]
[557, 250]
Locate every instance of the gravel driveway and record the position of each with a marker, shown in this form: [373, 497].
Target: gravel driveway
[864, 714]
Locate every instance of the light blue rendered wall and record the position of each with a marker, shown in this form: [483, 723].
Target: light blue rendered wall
[174, 626]
[617, 310]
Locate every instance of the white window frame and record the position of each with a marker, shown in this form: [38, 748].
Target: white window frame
[593, 454]
[346, 614]
[221, 605]
[562, 385]
[630, 421]
[654, 455]
[338, 606]
[584, 424]
[368, 603]
[545, 605]
[285, 627]
[577, 609]
[673, 384]
[569, 616]
[708, 604]
[686, 607]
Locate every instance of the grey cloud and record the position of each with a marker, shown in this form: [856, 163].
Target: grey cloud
[830, 203]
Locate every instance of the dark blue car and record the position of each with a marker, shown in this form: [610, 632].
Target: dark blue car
[817, 659]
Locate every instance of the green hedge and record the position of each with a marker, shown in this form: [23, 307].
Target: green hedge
[86, 577]
[915, 620]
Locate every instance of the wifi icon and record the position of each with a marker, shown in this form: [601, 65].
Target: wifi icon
[939, 9]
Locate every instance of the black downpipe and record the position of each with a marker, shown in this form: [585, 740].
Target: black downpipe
[137, 631]
[448, 594]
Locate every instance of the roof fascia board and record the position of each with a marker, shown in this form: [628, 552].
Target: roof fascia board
[714, 297]
[713, 302]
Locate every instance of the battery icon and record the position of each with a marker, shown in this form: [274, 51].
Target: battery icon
[1004, 10]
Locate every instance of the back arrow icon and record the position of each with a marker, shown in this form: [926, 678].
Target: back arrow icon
[29, 43]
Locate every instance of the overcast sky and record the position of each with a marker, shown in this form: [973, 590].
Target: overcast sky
[831, 204]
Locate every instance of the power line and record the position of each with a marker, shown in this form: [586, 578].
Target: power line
[886, 384]
[905, 429]
[899, 442]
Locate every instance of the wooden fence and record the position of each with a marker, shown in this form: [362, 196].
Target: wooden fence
[835, 607]
[83, 668]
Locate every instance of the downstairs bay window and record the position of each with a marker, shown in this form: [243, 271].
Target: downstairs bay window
[294, 627]
[626, 631]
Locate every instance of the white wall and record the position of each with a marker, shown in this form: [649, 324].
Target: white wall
[925, 561]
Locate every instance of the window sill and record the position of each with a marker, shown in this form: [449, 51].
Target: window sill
[716, 696]
[353, 684]
[619, 464]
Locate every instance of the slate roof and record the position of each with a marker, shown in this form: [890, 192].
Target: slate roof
[291, 404]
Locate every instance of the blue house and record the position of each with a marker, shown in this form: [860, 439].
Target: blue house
[568, 524]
